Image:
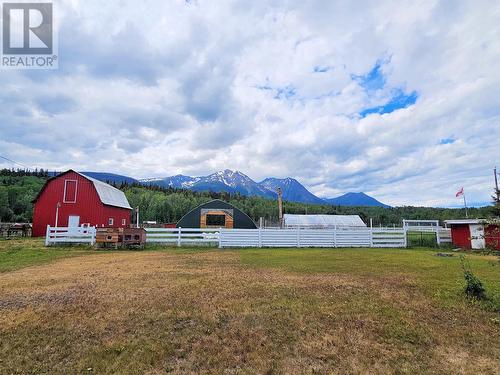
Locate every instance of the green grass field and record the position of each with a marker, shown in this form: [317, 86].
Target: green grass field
[273, 311]
[441, 276]
[421, 239]
[19, 253]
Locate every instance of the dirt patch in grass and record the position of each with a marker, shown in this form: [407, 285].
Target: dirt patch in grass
[157, 312]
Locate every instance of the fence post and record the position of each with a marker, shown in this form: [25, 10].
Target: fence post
[220, 238]
[405, 237]
[47, 234]
[298, 236]
[438, 239]
[371, 232]
[179, 237]
[335, 235]
[93, 231]
[260, 237]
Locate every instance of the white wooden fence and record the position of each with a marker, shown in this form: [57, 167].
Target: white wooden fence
[443, 236]
[180, 236]
[55, 235]
[388, 237]
[224, 238]
[297, 237]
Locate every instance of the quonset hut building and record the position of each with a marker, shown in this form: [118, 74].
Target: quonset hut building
[216, 214]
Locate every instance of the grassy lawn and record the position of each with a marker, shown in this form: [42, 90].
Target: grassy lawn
[440, 276]
[19, 253]
[280, 311]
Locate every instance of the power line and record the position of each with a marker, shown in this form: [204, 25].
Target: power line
[15, 162]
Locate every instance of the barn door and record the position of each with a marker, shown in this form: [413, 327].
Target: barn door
[477, 236]
[73, 221]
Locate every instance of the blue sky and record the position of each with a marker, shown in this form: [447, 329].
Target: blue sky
[399, 100]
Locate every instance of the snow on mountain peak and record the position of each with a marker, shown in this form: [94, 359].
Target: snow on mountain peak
[236, 182]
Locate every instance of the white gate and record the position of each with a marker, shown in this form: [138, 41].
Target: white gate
[180, 236]
[84, 235]
[443, 235]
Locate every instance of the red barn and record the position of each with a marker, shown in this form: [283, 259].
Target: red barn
[71, 199]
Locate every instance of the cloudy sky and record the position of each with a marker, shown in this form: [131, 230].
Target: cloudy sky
[398, 99]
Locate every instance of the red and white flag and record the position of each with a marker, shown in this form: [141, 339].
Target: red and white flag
[459, 193]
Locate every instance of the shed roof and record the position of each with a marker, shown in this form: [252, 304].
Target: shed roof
[463, 221]
[323, 220]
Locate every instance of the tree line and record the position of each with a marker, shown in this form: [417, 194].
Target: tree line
[16, 194]
[167, 205]
[6, 172]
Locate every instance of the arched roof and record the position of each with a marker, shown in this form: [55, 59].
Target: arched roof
[192, 218]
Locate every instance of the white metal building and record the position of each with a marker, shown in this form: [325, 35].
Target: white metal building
[322, 221]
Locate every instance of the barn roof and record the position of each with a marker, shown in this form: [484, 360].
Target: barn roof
[323, 220]
[108, 194]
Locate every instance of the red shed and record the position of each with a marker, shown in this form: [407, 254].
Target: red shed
[474, 234]
[71, 199]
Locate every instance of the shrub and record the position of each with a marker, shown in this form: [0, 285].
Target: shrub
[473, 286]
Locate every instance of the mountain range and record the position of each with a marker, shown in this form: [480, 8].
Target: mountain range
[355, 199]
[222, 181]
[236, 182]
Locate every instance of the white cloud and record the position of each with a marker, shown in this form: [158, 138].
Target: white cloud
[158, 88]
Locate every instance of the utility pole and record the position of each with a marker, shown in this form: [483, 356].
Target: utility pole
[497, 192]
[496, 196]
[280, 207]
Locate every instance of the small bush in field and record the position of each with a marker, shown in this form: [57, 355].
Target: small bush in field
[473, 286]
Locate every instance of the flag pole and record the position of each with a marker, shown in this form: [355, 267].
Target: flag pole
[465, 205]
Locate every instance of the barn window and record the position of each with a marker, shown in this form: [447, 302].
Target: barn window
[124, 222]
[70, 188]
[110, 221]
[216, 220]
